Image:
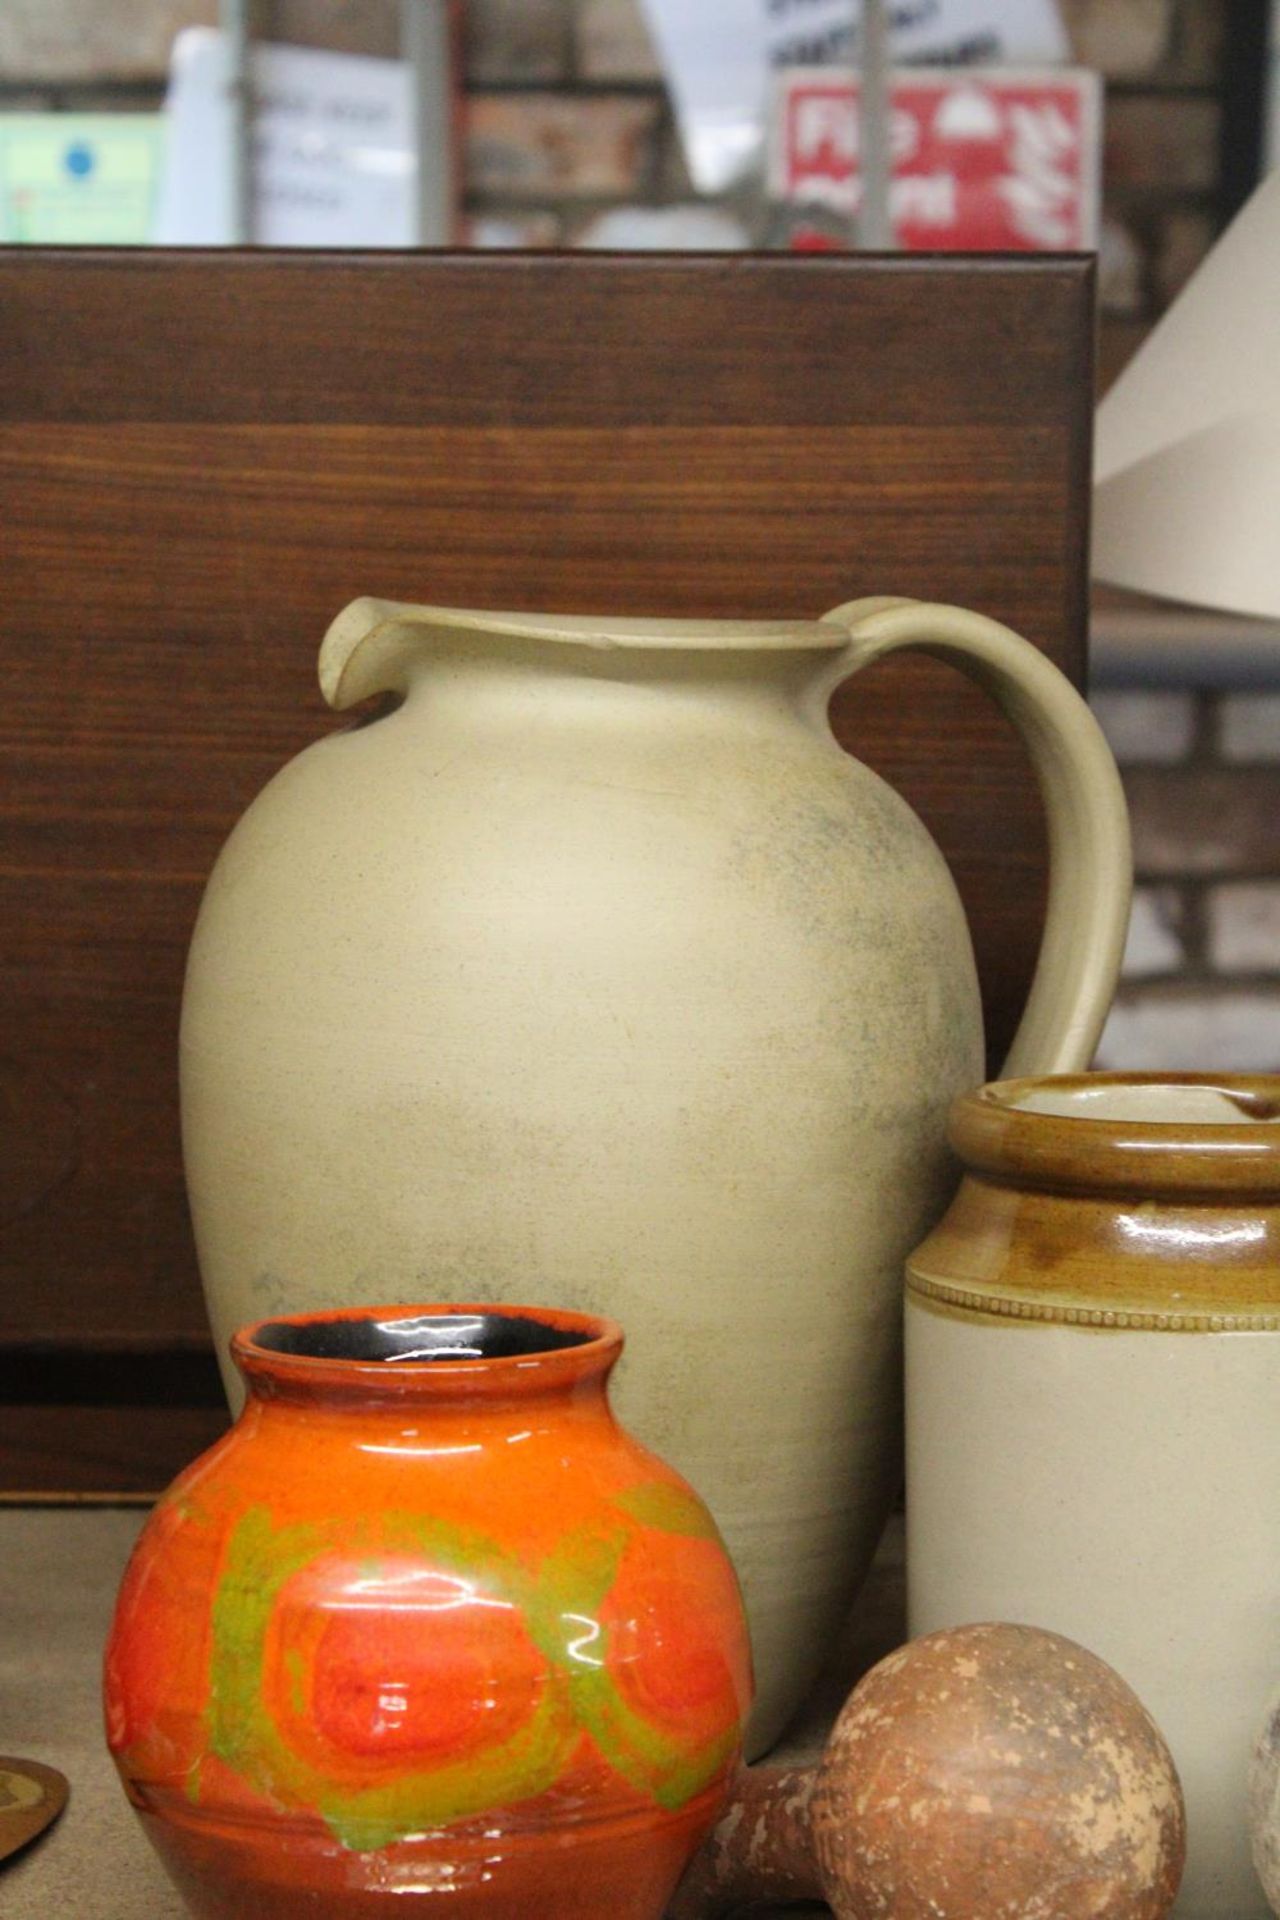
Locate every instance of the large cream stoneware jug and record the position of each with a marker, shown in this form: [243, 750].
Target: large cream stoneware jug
[596, 972]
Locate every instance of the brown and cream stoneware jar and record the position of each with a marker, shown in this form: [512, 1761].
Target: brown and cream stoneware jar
[1093, 1409]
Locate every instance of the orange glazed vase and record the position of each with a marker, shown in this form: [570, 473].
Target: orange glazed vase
[427, 1623]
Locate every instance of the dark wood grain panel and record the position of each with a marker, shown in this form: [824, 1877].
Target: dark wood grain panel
[479, 339]
[203, 457]
[102, 1450]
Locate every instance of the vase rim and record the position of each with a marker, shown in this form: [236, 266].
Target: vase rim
[438, 1349]
[1157, 1132]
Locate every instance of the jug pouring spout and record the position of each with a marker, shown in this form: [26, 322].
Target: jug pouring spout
[370, 648]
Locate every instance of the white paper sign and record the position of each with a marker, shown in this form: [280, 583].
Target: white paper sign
[332, 148]
[972, 32]
[720, 56]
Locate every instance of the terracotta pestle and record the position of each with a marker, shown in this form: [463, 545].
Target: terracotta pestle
[972, 1775]
[761, 1850]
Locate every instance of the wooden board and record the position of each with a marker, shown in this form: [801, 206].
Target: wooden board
[204, 456]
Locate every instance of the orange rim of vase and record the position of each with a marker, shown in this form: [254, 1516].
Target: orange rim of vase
[996, 1134]
[594, 1344]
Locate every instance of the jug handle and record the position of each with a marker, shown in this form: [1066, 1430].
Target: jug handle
[1090, 863]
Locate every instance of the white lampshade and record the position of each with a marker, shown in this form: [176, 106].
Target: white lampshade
[1187, 497]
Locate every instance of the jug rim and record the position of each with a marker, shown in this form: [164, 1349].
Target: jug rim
[639, 630]
[605, 630]
[373, 645]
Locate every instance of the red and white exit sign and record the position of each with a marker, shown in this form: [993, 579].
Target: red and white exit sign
[999, 159]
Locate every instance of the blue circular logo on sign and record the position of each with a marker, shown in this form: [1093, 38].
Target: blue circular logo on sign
[79, 160]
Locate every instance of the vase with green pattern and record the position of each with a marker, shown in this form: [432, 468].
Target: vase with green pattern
[428, 1624]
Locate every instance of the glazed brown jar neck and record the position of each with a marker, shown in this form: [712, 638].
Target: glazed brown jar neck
[1137, 1134]
[1112, 1201]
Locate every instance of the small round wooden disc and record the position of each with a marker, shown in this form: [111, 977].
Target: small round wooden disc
[31, 1798]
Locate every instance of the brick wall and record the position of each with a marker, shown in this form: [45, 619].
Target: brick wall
[1201, 984]
[565, 112]
[567, 115]
[567, 119]
[1163, 63]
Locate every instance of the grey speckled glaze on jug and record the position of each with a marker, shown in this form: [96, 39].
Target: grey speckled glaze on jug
[597, 972]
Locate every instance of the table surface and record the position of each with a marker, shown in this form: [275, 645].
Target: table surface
[59, 1570]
